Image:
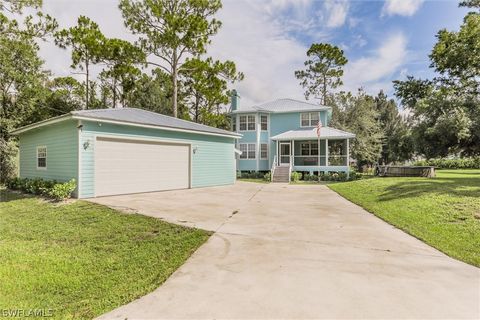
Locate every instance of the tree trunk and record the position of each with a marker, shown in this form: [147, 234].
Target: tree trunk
[87, 83]
[197, 102]
[324, 91]
[114, 87]
[175, 85]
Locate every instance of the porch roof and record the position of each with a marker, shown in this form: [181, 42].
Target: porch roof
[311, 134]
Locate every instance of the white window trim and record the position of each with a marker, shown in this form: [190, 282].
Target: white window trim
[247, 122]
[247, 150]
[309, 119]
[260, 155]
[261, 116]
[46, 158]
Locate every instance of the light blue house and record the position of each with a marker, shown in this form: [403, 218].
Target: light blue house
[281, 136]
[119, 151]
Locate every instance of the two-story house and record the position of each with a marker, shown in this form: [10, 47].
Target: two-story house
[282, 134]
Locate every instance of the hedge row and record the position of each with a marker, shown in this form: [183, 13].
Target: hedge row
[458, 163]
[334, 176]
[48, 188]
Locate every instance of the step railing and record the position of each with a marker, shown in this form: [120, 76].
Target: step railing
[272, 170]
[290, 166]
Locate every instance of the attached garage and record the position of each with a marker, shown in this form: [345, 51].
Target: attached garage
[164, 166]
[121, 151]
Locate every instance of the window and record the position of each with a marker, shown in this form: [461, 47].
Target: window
[305, 119]
[243, 123]
[308, 148]
[243, 148]
[247, 123]
[248, 150]
[309, 119]
[264, 122]
[264, 151]
[251, 123]
[251, 150]
[234, 123]
[41, 157]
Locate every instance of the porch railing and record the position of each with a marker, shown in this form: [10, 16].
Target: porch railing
[333, 160]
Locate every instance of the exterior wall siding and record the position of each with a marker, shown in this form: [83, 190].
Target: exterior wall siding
[213, 163]
[61, 140]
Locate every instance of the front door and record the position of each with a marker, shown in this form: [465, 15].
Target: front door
[284, 153]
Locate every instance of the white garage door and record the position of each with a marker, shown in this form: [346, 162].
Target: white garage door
[130, 166]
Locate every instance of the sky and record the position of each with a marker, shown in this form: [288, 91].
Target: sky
[268, 39]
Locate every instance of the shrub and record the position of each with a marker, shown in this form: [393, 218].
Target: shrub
[251, 175]
[62, 191]
[310, 177]
[48, 188]
[456, 163]
[267, 176]
[295, 176]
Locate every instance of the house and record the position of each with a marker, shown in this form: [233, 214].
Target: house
[119, 151]
[281, 136]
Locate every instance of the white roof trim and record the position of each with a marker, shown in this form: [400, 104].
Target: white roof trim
[76, 117]
[283, 111]
[42, 123]
[134, 124]
[328, 133]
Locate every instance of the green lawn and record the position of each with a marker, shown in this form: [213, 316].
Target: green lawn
[82, 259]
[443, 211]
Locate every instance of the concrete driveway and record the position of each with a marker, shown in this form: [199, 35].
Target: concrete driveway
[293, 251]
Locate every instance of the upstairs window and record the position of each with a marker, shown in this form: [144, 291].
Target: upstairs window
[309, 119]
[234, 124]
[247, 123]
[243, 123]
[41, 157]
[251, 123]
[263, 122]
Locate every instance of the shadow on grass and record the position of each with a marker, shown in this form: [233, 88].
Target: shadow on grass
[462, 187]
[7, 195]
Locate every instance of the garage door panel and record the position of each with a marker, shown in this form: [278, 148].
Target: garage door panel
[130, 166]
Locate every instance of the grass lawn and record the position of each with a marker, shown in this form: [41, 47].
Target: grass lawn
[443, 211]
[82, 259]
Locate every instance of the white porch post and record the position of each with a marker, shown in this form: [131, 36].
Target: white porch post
[292, 158]
[278, 153]
[348, 158]
[326, 152]
[319, 157]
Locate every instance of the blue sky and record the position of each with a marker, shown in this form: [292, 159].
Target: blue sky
[268, 39]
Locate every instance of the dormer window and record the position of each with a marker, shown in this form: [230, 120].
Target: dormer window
[309, 119]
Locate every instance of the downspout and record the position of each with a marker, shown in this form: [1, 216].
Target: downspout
[79, 160]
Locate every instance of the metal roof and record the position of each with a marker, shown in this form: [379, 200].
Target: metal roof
[311, 133]
[282, 105]
[135, 117]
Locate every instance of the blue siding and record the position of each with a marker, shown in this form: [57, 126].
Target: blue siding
[61, 140]
[212, 164]
[62, 148]
[248, 136]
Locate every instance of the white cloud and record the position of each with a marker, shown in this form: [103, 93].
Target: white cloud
[336, 11]
[372, 72]
[261, 48]
[401, 7]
